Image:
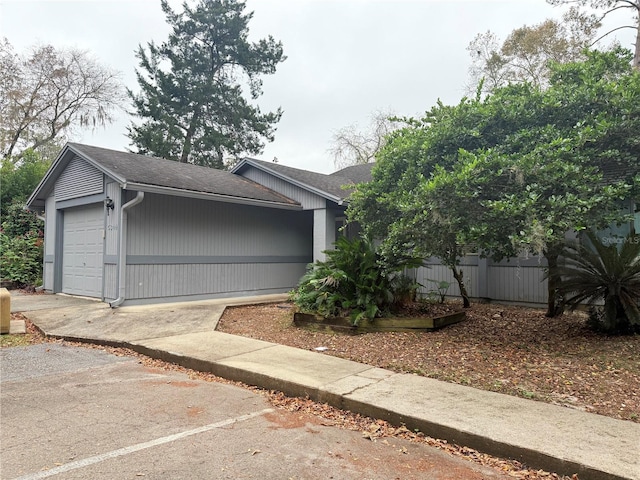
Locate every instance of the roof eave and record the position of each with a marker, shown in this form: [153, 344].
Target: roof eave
[120, 179]
[178, 192]
[52, 173]
[33, 198]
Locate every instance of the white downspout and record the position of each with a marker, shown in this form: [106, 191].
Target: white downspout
[122, 258]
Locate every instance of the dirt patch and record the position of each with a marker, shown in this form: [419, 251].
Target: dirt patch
[511, 350]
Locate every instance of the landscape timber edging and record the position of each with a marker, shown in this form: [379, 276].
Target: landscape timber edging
[396, 324]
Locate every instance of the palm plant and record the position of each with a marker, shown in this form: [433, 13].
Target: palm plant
[607, 272]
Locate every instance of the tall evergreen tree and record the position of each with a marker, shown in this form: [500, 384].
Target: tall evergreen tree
[196, 87]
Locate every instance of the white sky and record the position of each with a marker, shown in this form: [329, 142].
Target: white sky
[346, 58]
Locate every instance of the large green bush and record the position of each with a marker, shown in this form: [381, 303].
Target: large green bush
[21, 247]
[351, 282]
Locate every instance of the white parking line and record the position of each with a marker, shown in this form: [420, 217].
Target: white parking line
[140, 446]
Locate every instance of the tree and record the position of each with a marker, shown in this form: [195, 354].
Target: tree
[193, 87]
[610, 6]
[47, 95]
[526, 54]
[352, 146]
[511, 172]
[20, 179]
[387, 208]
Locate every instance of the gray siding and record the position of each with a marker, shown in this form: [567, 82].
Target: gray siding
[49, 241]
[520, 280]
[113, 219]
[178, 247]
[79, 179]
[308, 200]
[443, 273]
[110, 279]
[167, 281]
[112, 235]
[513, 283]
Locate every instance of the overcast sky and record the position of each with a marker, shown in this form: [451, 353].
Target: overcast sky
[346, 58]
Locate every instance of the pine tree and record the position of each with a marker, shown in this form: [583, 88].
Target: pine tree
[196, 87]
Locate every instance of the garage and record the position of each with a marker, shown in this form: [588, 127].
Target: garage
[130, 229]
[82, 253]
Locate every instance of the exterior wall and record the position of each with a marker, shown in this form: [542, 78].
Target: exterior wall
[49, 242]
[519, 281]
[112, 231]
[79, 179]
[79, 184]
[522, 283]
[180, 247]
[308, 200]
[439, 273]
[324, 232]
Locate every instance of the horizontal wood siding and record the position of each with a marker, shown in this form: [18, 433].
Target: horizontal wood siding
[219, 234]
[308, 200]
[78, 179]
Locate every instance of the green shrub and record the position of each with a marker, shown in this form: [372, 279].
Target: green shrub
[606, 272]
[21, 247]
[350, 283]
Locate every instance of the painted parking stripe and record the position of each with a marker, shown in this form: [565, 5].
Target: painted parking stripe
[140, 446]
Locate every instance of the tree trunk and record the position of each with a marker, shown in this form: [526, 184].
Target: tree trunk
[636, 56]
[458, 275]
[188, 138]
[554, 302]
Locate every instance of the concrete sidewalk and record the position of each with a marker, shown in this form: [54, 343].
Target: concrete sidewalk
[542, 436]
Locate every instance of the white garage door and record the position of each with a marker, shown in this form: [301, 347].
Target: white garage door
[82, 251]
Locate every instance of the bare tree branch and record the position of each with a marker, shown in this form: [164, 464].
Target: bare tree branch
[50, 93]
[351, 146]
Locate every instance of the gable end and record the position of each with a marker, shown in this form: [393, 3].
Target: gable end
[79, 179]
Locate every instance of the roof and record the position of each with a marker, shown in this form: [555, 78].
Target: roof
[141, 172]
[328, 186]
[356, 173]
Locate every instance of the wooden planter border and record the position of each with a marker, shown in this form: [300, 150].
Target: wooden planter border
[343, 324]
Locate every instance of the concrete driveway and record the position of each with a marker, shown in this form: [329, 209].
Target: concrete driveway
[83, 318]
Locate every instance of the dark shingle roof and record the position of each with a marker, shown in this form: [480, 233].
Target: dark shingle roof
[331, 184]
[356, 173]
[142, 169]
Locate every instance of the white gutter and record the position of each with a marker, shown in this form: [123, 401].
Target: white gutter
[122, 258]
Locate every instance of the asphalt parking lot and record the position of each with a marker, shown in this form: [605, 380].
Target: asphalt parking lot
[79, 413]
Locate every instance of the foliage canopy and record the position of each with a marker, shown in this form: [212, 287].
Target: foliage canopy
[193, 102]
[510, 173]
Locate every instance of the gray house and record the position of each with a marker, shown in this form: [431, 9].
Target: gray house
[127, 228]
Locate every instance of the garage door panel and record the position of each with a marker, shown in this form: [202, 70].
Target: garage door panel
[82, 258]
